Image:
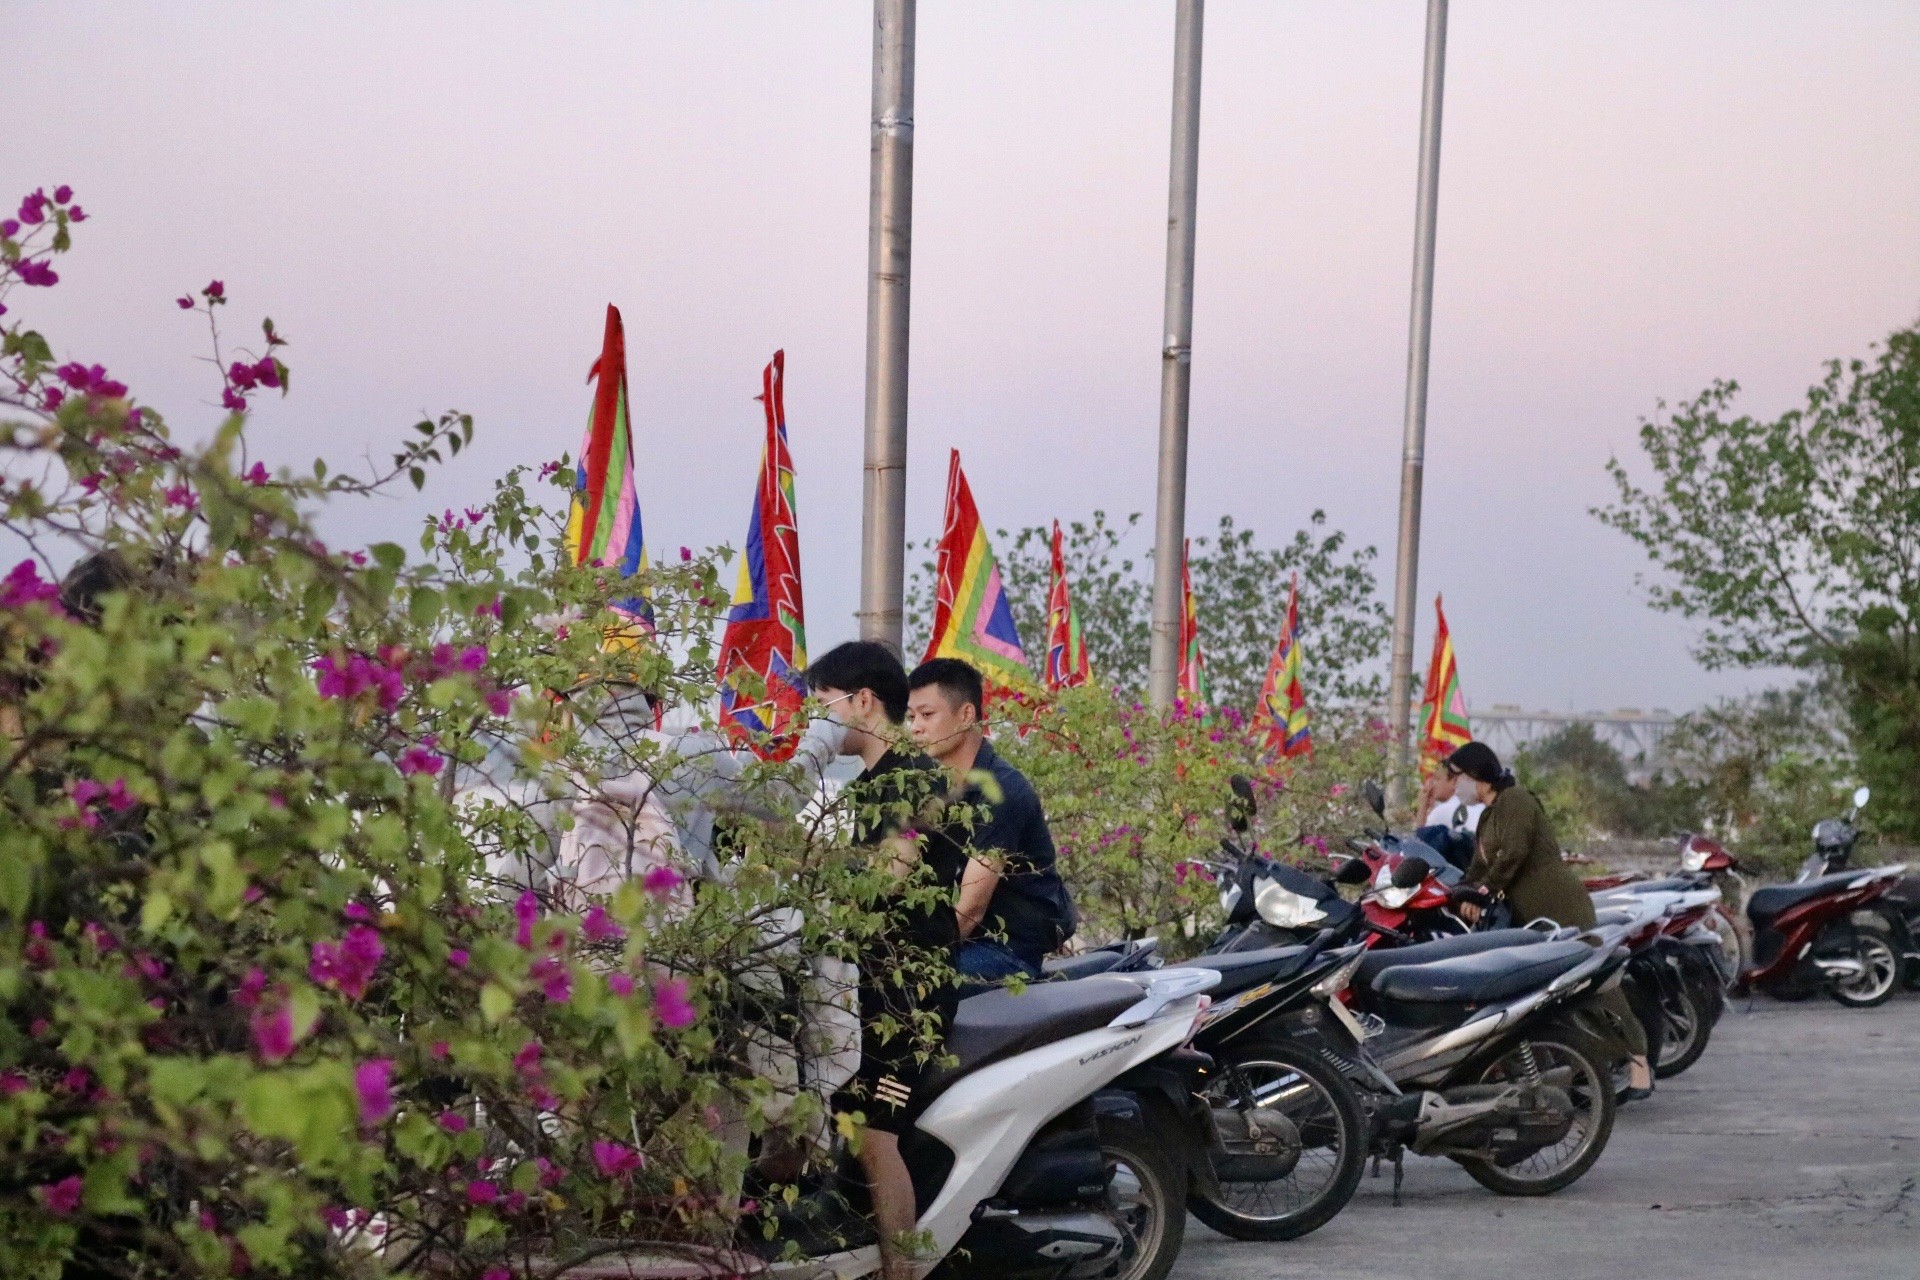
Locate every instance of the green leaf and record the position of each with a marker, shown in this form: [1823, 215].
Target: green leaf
[155, 910]
[495, 1002]
[388, 555]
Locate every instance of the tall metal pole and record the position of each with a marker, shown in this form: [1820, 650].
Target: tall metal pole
[883, 539]
[1414, 442]
[1176, 368]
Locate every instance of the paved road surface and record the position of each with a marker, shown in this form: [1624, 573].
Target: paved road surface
[1791, 1151]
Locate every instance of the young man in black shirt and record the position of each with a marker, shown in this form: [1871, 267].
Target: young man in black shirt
[897, 800]
[1014, 909]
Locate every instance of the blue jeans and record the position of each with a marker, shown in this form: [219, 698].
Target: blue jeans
[984, 963]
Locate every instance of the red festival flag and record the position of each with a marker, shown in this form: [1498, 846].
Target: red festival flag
[766, 632]
[1443, 707]
[1194, 687]
[972, 618]
[1282, 710]
[1067, 664]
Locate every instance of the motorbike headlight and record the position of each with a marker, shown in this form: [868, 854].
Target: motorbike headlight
[1393, 897]
[1282, 908]
[1693, 858]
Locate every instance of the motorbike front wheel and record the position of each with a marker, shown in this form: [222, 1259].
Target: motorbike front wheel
[1684, 1028]
[1146, 1196]
[1286, 1080]
[1563, 1163]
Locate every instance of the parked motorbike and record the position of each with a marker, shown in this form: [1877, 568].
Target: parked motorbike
[1061, 1143]
[1704, 864]
[1831, 934]
[1833, 842]
[1447, 1059]
[1676, 980]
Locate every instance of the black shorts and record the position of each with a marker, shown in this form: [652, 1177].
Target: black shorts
[886, 1088]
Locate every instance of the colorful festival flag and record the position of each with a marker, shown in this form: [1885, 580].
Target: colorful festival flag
[1443, 708]
[1067, 665]
[603, 527]
[1194, 687]
[972, 618]
[1282, 711]
[766, 627]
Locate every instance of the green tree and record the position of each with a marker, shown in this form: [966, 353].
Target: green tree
[1240, 589]
[1765, 768]
[1795, 541]
[1586, 787]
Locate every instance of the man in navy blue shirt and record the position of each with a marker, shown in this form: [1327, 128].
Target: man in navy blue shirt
[1013, 909]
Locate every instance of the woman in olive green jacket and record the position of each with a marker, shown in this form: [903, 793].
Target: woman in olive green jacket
[1519, 859]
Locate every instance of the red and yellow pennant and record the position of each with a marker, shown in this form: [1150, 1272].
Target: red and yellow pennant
[1443, 707]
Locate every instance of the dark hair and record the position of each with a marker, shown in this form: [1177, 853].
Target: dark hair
[863, 664]
[1478, 761]
[90, 580]
[957, 679]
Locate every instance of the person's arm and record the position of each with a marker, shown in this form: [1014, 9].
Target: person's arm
[976, 893]
[1504, 843]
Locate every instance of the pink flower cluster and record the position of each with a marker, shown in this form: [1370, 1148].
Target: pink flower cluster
[421, 758]
[90, 380]
[357, 675]
[88, 795]
[23, 586]
[616, 1159]
[348, 965]
[373, 1083]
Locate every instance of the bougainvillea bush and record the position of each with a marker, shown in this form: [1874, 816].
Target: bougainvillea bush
[289, 984]
[1137, 800]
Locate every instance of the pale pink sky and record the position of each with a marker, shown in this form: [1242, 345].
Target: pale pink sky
[435, 202]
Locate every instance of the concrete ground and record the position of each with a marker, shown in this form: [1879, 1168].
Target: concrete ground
[1790, 1151]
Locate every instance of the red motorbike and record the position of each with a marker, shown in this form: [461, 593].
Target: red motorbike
[1826, 934]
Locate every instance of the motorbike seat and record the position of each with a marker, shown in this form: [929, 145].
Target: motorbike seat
[1239, 970]
[1763, 905]
[1633, 889]
[1477, 979]
[1084, 965]
[1613, 915]
[998, 1024]
[1379, 961]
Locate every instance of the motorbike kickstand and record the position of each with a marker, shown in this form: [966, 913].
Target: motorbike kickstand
[1376, 1165]
[1399, 1171]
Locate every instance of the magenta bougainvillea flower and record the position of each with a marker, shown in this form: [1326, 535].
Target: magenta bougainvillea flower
[555, 980]
[597, 926]
[60, 1198]
[23, 586]
[347, 965]
[616, 1159]
[526, 911]
[661, 881]
[373, 1083]
[671, 1005]
[37, 274]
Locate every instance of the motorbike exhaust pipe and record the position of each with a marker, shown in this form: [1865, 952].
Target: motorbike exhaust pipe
[1841, 970]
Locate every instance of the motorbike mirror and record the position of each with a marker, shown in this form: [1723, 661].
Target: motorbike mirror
[1352, 871]
[1860, 797]
[1411, 872]
[1242, 807]
[1376, 798]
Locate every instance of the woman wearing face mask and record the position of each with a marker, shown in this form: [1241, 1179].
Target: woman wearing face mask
[1519, 859]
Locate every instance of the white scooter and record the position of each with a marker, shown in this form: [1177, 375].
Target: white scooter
[1061, 1144]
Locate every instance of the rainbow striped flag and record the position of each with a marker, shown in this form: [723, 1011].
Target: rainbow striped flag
[1067, 664]
[603, 527]
[766, 627]
[1193, 686]
[972, 619]
[1282, 710]
[1443, 707]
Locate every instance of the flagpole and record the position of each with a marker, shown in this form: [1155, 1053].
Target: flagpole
[1170, 517]
[889, 257]
[1413, 444]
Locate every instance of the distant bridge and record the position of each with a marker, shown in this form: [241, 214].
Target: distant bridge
[1637, 735]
